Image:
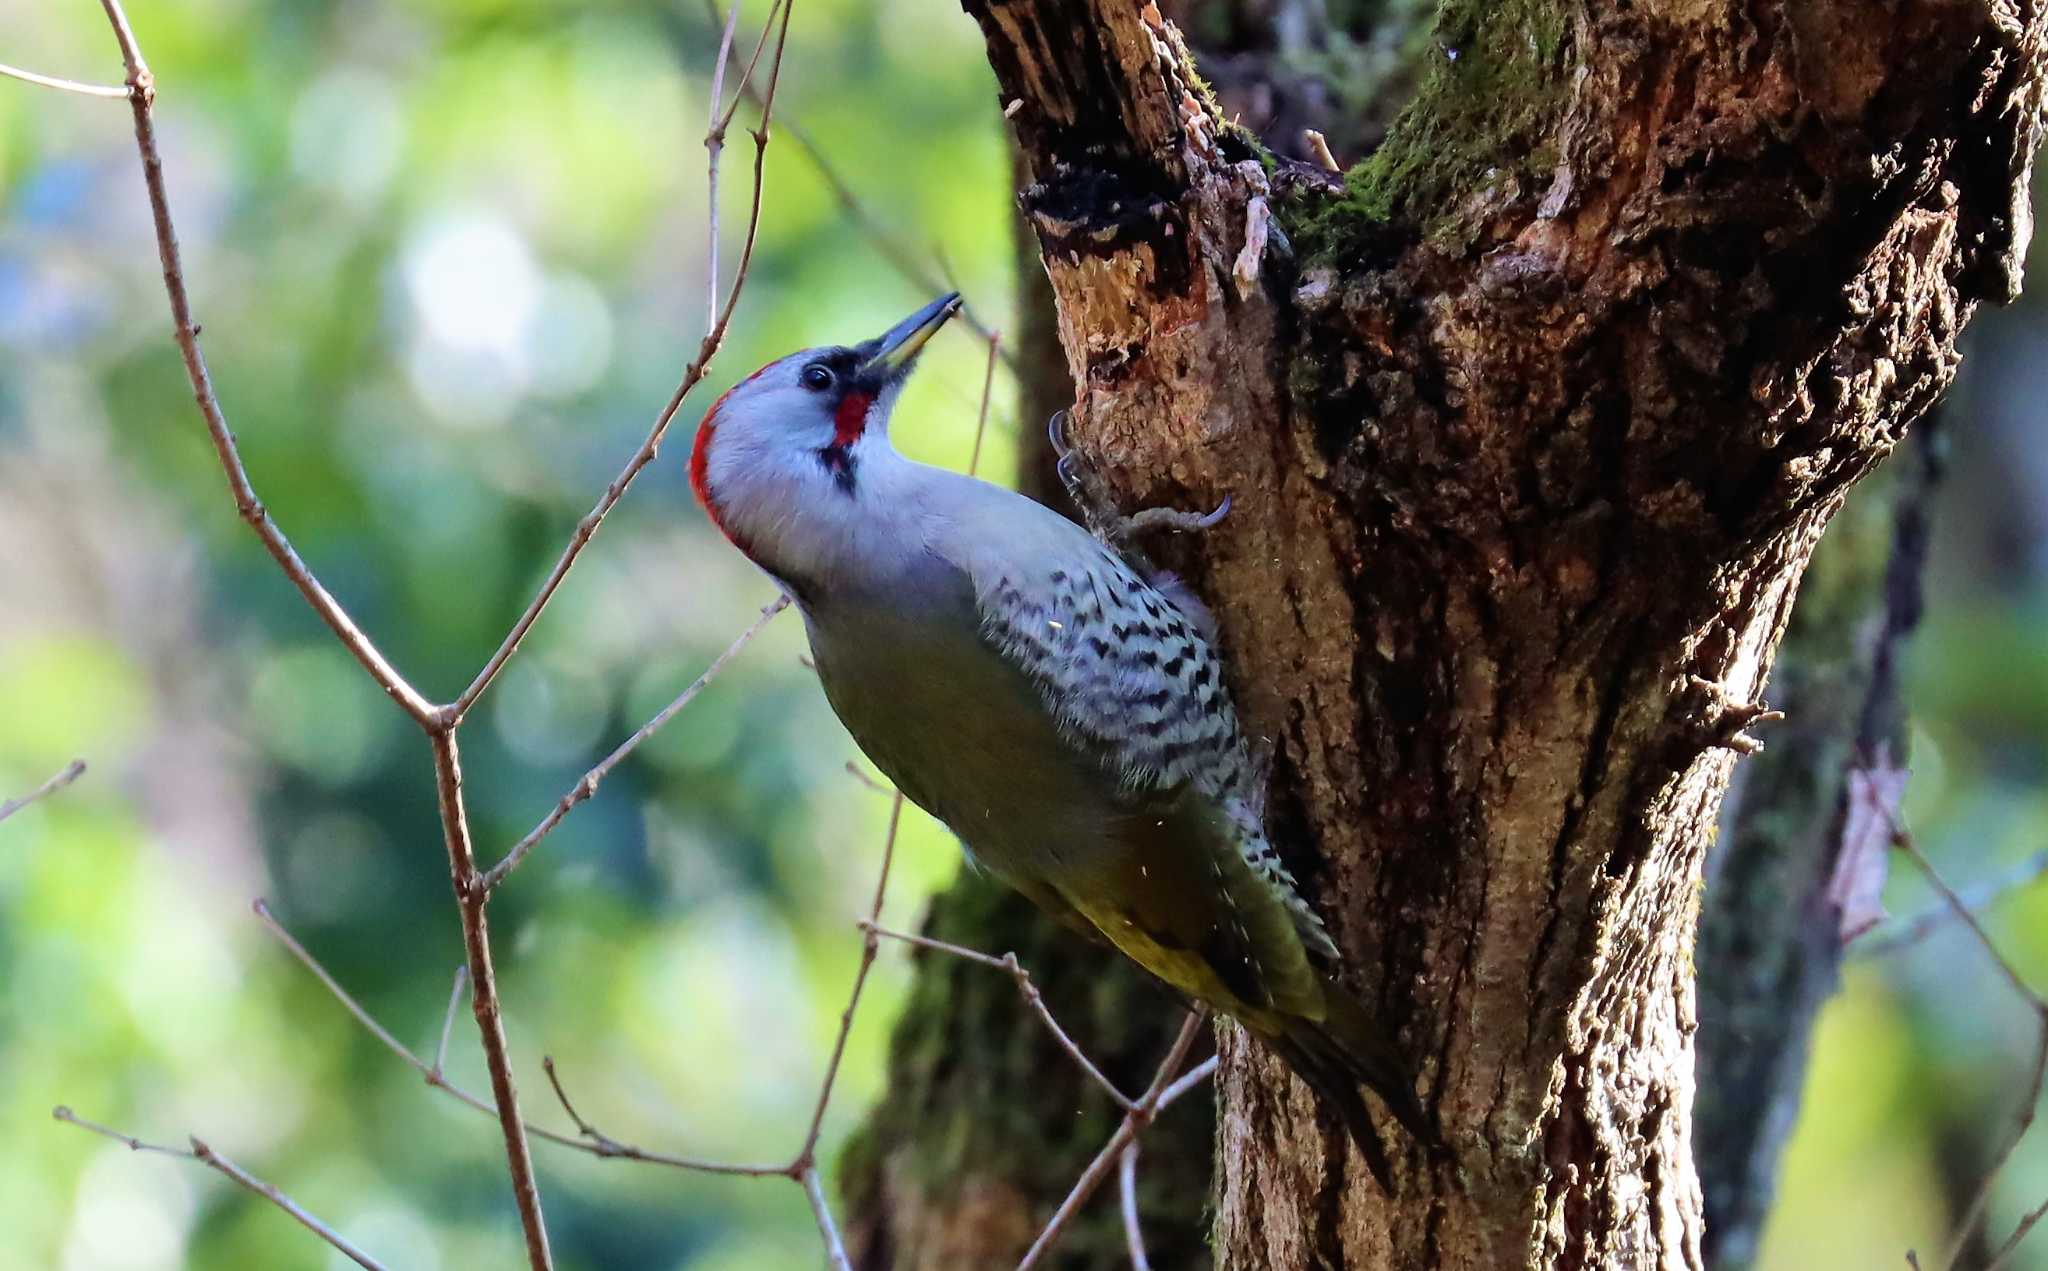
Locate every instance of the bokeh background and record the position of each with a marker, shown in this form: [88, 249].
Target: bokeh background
[449, 256]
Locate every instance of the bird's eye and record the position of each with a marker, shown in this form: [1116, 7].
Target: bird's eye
[817, 377]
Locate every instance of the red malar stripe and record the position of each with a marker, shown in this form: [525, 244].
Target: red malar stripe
[851, 419]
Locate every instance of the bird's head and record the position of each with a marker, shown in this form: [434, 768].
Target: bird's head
[795, 434]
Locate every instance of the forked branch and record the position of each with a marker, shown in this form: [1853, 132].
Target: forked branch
[694, 374]
[587, 786]
[141, 92]
[212, 1159]
[2037, 1078]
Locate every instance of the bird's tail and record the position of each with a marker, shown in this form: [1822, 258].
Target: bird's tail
[1343, 1051]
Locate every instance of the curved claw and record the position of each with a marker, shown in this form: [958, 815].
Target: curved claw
[1056, 433]
[1222, 510]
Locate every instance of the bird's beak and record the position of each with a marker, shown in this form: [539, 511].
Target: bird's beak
[895, 351]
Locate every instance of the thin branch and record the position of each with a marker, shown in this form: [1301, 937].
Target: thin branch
[588, 785]
[448, 1019]
[714, 143]
[2019, 1233]
[859, 774]
[470, 898]
[72, 772]
[1127, 1183]
[806, 1154]
[723, 120]
[886, 243]
[835, 1249]
[1963, 913]
[185, 329]
[584, 1128]
[604, 1145]
[1140, 1115]
[212, 1159]
[713, 340]
[63, 85]
[988, 383]
[1193, 1077]
[133, 1144]
[439, 1081]
[2023, 1120]
[1976, 899]
[1009, 964]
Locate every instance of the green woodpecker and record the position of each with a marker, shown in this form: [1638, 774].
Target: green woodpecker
[1060, 712]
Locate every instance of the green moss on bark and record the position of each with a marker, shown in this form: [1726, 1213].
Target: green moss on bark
[1493, 86]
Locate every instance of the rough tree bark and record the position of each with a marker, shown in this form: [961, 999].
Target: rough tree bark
[1532, 421]
[1770, 947]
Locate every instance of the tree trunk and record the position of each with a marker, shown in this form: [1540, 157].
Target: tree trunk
[1531, 422]
[1770, 948]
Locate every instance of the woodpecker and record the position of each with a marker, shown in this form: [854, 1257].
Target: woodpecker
[1022, 682]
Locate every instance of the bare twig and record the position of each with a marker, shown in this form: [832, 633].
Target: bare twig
[448, 1019]
[892, 250]
[988, 383]
[604, 1145]
[587, 528]
[859, 774]
[2023, 1121]
[440, 723]
[133, 1144]
[1193, 1077]
[1127, 1183]
[63, 85]
[814, 1191]
[1969, 919]
[470, 898]
[141, 96]
[72, 772]
[2037, 1078]
[588, 785]
[722, 120]
[584, 1128]
[806, 1154]
[890, 246]
[439, 1081]
[1161, 1092]
[212, 1159]
[1976, 898]
[1028, 990]
[2019, 1233]
[714, 144]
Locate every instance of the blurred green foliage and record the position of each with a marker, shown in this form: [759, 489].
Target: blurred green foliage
[450, 261]
[449, 255]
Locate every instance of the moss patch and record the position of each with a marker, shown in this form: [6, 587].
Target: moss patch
[1494, 84]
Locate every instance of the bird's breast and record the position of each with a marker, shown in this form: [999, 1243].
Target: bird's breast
[962, 733]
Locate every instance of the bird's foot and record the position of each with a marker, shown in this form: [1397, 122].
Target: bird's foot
[1084, 484]
[1091, 494]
